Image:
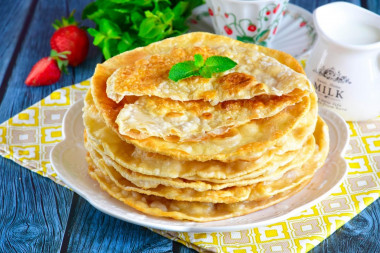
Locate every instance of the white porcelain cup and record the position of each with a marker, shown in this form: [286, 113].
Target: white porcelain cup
[254, 21]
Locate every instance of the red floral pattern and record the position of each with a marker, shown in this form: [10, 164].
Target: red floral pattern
[228, 30]
[210, 12]
[276, 9]
[193, 21]
[252, 28]
[275, 30]
[256, 30]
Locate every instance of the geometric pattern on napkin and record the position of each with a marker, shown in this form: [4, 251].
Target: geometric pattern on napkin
[28, 137]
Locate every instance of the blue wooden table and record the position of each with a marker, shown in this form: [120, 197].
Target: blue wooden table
[38, 215]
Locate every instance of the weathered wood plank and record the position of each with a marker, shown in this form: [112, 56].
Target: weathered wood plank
[33, 216]
[94, 231]
[311, 5]
[34, 209]
[11, 31]
[374, 5]
[180, 248]
[36, 45]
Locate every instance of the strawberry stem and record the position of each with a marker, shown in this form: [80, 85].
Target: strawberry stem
[65, 21]
[61, 59]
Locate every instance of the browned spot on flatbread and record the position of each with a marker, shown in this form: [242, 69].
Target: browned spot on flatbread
[135, 131]
[174, 114]
[208, 95]
[172, 138]
[206, 115]
[233, 82]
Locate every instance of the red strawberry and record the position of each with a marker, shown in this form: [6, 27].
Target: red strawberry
[69, 37]
[47, 70]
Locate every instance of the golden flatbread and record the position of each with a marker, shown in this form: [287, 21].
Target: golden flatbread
[202, 149]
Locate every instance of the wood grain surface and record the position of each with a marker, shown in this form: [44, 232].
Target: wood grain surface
[38, 215]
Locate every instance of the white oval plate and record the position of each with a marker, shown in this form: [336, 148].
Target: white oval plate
[68, 160]
[296, 34]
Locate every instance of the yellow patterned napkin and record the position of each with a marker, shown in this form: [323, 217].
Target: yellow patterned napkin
[28, 138]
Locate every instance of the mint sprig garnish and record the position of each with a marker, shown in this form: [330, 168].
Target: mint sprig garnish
[126, 24]
[200, 67]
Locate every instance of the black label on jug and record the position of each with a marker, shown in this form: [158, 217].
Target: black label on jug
[329, 85]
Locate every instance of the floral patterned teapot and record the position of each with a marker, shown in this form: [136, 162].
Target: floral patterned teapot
[344, 65]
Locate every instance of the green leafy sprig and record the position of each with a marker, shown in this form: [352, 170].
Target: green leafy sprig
[200, 67]
[126, 24]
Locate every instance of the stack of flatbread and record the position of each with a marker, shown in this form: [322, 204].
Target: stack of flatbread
[202, 149]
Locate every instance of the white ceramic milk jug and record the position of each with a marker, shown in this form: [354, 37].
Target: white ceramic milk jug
[344, 65]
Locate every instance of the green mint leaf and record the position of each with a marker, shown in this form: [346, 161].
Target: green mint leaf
[109, 28]
[98, 39]
[125, 43]
[93, 32]
[136, 18]
[218, 64]
[109, 48]
[147, 25]
[126, 16]
[198, 60]
[183, 70]
[124, 11]
[180, 8]
[161, 4]
[199, 67]
[167, 16]
[89, 9]
[156, 32]
[120, 1]
[142, 3]
[97, 15]
[205, 72]
[180, 26]
[149, 14]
